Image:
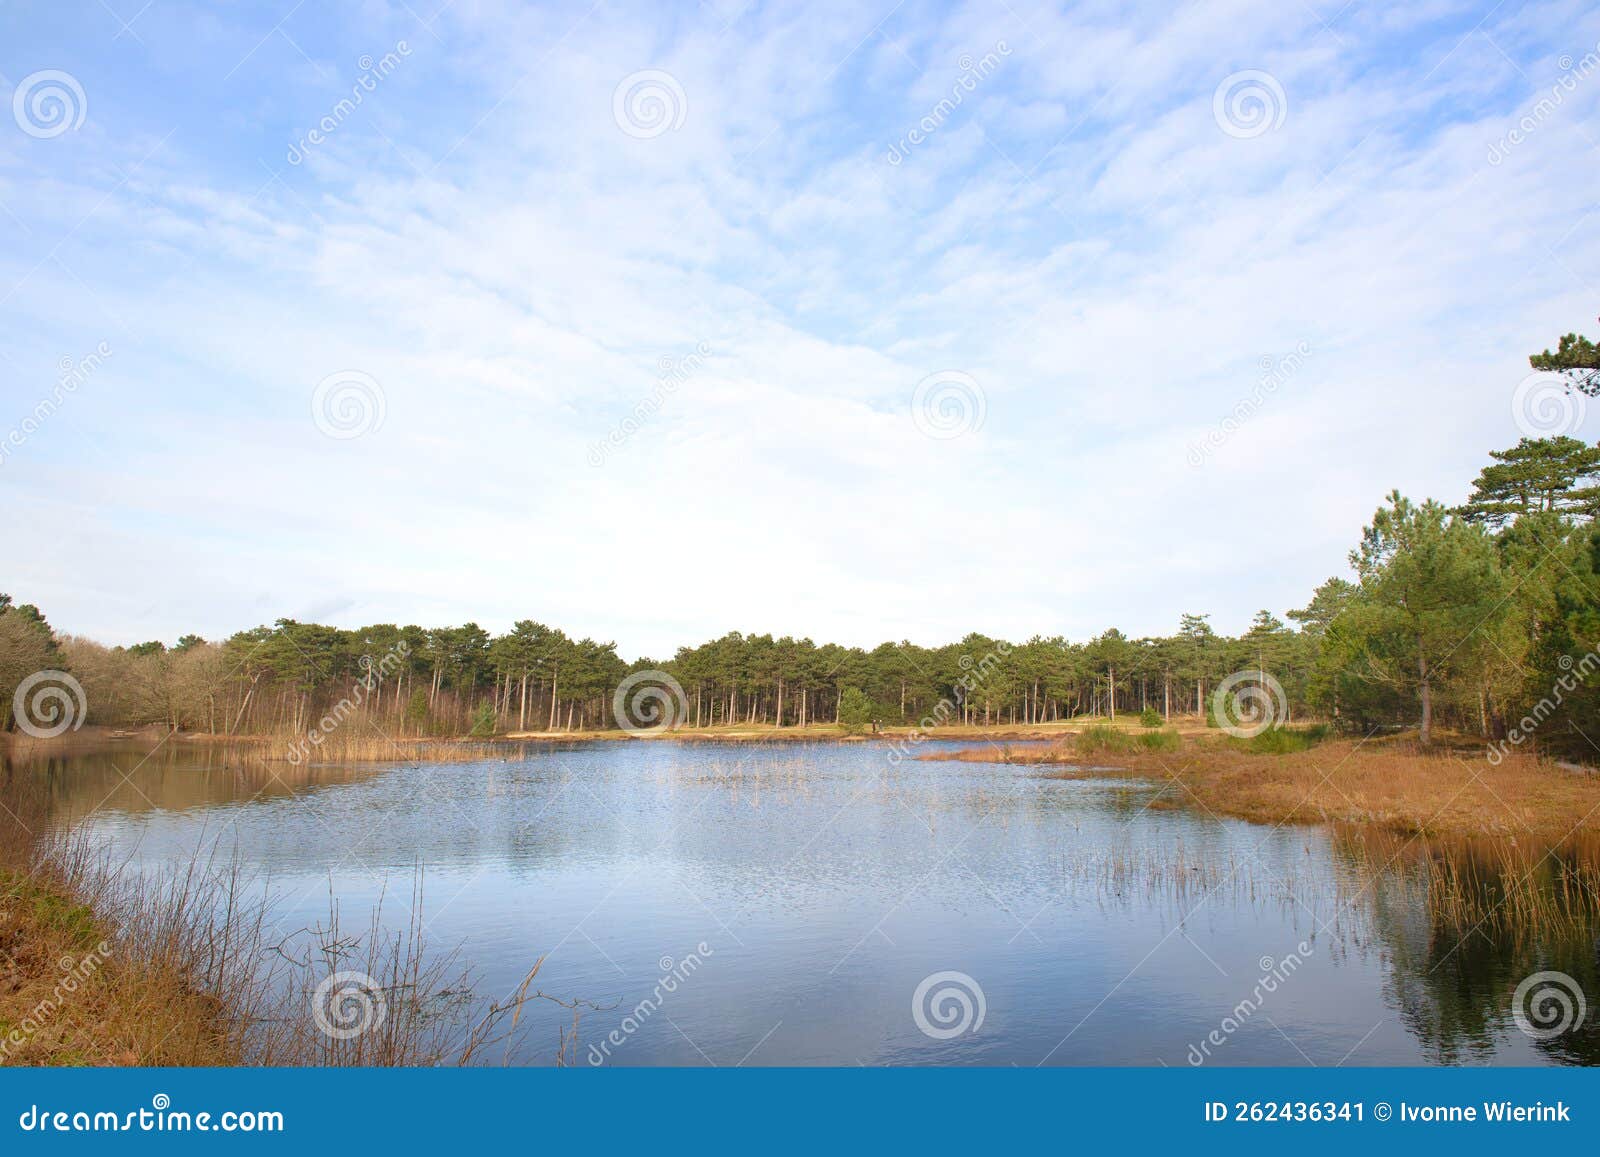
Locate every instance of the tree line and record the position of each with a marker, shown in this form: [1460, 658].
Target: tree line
[1470, 616]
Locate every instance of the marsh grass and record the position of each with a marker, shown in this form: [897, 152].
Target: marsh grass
[1282, 740]
[1434, 792]
[105, 963]
[1101, 738]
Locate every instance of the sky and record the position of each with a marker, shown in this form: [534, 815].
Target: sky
[859, 321]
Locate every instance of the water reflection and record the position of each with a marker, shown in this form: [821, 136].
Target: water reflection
[825, 884]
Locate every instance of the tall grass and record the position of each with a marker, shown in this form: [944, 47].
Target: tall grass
[1283, 740]
[1101, 738]
[195, 971]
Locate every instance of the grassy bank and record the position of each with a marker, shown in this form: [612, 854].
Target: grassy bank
[361, 738]
[104, 964]
[1392, 784]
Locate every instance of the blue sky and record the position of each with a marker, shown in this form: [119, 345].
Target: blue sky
[857, 321]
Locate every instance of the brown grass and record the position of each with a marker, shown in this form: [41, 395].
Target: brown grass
[103, 964]
[1453, 791]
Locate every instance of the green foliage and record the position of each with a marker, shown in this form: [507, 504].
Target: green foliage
[1489, 614]
[1102, 738]
[1549, 475]
[74, 921]
[1160, 741]
[1577, 358]
[1283, 740]
[855, 710]
[417, 709]
[1431, 584]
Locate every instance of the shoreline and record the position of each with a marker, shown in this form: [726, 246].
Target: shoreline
[1391, 784]
[90, 739]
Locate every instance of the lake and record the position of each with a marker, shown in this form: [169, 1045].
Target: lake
[814, 904]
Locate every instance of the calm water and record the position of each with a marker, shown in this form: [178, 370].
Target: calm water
[825, 886]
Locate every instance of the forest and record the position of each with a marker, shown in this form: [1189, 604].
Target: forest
[1481, 617]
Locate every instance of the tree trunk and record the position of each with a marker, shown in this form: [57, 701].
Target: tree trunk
[1425, 688]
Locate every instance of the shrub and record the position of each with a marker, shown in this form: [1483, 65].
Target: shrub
[855, 710]
[1104, 738]
[1284, 740]
[1160, 741]
[1150, 717]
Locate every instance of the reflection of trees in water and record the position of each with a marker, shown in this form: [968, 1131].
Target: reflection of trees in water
[137, 779]
[1462, 923]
